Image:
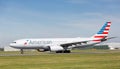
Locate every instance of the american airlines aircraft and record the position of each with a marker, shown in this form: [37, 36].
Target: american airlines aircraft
[62, 45]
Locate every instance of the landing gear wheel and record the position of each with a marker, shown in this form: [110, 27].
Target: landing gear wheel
[21, 51]
[59, 51]
[67, 51]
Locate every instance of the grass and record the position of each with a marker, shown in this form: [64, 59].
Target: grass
[97, 59]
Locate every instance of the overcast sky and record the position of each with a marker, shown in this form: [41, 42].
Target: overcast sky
[56, 18]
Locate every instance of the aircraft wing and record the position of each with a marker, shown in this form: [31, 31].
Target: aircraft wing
[82, 44]
[74, 43]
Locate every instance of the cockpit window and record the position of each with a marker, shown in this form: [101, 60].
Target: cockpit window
[13, 42]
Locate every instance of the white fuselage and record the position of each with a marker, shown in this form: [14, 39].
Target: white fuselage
[42, 43]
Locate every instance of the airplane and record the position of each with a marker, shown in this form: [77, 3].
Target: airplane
[62, 45]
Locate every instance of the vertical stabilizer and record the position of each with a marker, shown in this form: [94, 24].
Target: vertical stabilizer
[103, 33]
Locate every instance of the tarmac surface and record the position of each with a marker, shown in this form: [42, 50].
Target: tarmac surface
[48, 53]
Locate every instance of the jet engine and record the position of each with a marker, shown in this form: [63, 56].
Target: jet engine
[56, 48]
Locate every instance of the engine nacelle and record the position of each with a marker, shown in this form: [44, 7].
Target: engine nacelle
[56, 48]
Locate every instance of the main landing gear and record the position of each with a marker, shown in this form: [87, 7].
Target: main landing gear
[65, 51]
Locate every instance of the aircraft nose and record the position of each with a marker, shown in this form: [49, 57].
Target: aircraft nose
[11, 44]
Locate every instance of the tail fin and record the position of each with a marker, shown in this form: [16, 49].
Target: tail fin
[103, 33]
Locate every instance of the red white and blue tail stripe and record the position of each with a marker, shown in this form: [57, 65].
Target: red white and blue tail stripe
[103, 33]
